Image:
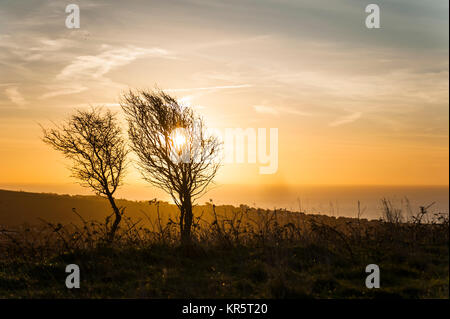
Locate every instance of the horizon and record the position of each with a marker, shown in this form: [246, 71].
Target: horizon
[331, 200]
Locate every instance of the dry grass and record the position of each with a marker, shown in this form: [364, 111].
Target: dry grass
[239, 252]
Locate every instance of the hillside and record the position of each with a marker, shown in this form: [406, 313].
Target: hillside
[18, 207]
[24, 207]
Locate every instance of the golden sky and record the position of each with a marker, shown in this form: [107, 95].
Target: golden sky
[353, 106]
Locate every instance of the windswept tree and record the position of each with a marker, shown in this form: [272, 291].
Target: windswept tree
[175, 151]
[92, 140]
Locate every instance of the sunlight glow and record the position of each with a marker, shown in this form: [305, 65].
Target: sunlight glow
[178, 138]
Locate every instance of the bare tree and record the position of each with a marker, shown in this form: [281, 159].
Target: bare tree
[175, 152]
[93, 140]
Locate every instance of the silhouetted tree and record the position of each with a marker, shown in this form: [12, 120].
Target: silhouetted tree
[175, 152]
[93, 140]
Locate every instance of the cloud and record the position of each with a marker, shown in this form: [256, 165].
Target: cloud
[187, 102]
[95, 67]
[100, 104]
[222, 87]
[27, 48]
[265, 109]
[64, 90]
[346, 119]
[202, 91]
[15, 96]
[289, 110]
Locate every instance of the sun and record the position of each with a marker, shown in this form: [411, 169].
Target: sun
[178, 138]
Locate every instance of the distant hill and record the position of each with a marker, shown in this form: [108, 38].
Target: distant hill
[18, 207]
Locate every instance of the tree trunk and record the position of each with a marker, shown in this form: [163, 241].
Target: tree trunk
[117, 218]
[182, 210]
[187, 220]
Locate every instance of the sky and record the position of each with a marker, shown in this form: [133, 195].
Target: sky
[353, 106]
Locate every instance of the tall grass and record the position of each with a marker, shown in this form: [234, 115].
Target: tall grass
[234, 228]
[287, 254]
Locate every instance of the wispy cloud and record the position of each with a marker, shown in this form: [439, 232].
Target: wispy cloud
[64, 89]
[220, 87]
[15, 96]
[187, 101]
[265, 109]
[95, 67]
[99, 104]
[26, 48]
[294, 111]
[346, 119]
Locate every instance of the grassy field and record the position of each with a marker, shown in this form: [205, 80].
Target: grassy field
[238, 253]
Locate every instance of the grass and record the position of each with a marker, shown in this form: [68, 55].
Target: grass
[242, 255]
